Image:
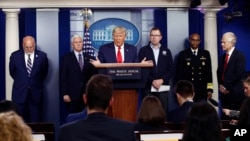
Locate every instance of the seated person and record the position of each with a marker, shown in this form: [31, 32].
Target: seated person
[7, 105]
[76, 116]
[184, 91]
[151, 116]
[242, 123]
[244, 117]
[98, 126]
[202, 123]
[13, 128]
[246, 86]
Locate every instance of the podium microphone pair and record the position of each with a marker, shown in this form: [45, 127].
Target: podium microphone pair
[215, 103]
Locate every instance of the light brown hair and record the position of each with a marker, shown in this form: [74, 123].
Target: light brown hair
[151, 111]
[13, 128]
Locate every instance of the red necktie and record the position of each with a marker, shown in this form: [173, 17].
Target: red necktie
[225, 66]
[119, 55]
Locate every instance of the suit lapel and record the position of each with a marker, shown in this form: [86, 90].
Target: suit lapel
[35, 62]
[230, 58]
[74, 60]
[112, 49]
[23, 61]
[126, 53]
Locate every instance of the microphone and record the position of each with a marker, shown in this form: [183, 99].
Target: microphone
[215, 103]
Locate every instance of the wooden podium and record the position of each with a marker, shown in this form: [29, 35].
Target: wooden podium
[127, 78]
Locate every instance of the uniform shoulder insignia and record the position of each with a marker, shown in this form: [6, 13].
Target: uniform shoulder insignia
[203, 58]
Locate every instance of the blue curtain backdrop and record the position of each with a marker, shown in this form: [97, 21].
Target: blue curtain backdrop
[238, 25]
[27, 23]
[2, 55]
[64, 47]
[196, 25]
[160, 21]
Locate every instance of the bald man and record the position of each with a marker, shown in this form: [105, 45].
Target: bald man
[28, 67]
[230, 73]
[194, 65]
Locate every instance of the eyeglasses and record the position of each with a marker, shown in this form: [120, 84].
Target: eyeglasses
[155, 35]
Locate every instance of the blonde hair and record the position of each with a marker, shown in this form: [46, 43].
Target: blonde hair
[119, 29]
[13, 128]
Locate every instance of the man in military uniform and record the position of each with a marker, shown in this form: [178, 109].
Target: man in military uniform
[194, 64]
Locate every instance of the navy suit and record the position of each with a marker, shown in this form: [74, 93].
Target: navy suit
[97, 127]
[27, 92]
[107, 53]
[73, 80]
[148, 127]
[179, 115]
[233, 76]
[76, 116]
[164, 69]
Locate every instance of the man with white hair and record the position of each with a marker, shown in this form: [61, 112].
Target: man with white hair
[230, 74]
[75, 73]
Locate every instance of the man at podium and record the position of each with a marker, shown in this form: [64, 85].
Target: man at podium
[113, 57]
[117, 51]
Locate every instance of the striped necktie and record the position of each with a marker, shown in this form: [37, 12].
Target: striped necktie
[29, 65]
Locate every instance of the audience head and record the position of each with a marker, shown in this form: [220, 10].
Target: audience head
[151, 112]
[194, 40]
[99, 91]
[184, 90]
[202, 123]
[119, 35]
[7, 105]
[155, 36]
[246, 86]
[29, 44]
[77, 42]
[13, 128]
[228, 41]
[244, 118]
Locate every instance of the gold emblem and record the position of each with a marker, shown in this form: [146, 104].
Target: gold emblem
[203, 63]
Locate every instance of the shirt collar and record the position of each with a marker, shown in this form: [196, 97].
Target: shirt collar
[231, 51]
[77, 53]
[155, 47]
[194, 50]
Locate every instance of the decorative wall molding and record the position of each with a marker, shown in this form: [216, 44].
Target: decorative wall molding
[104, 3]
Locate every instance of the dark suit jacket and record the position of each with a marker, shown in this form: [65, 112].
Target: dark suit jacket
[179, 115]
[97, 127]
[196, 69]
[107, 53]
[164, 68]
[72, 79]
[145, 127]
[22, 82]
[76, 116]
[233, 76]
